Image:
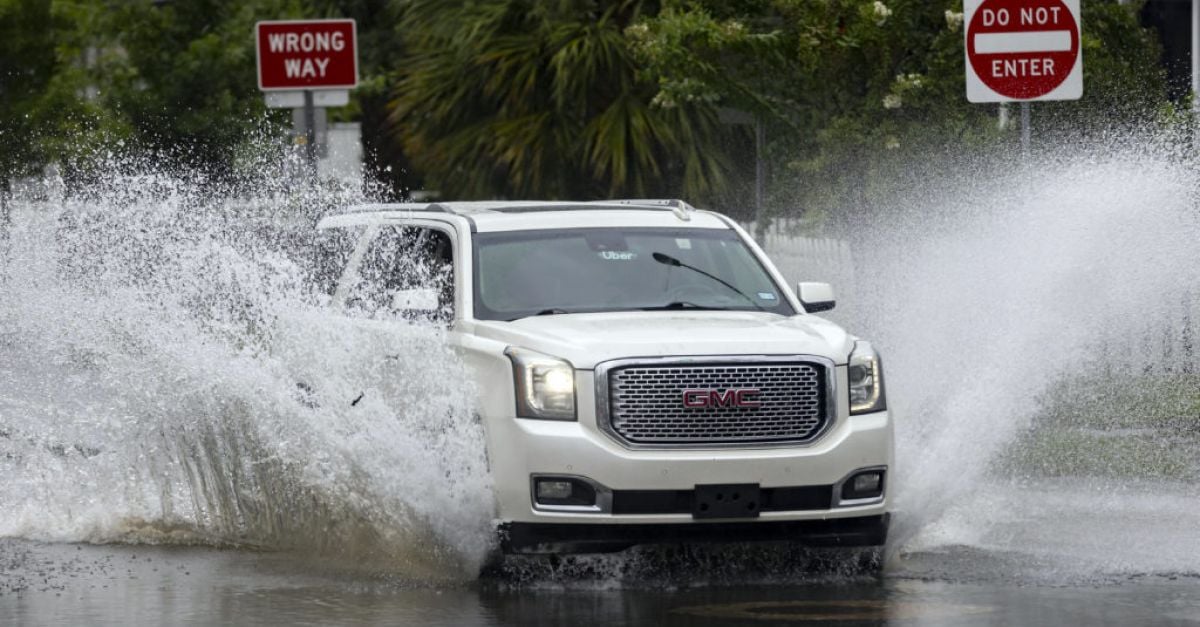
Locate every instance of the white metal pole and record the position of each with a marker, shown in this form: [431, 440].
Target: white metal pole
[1195, 55]
[1025, 126]
[760, 174]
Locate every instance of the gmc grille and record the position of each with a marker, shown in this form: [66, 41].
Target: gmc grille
[646, 403]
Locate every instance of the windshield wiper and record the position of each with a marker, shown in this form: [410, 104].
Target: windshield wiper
[684, 304]
[553, 311]
[668, 260]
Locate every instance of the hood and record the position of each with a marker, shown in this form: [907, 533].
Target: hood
[588, 339]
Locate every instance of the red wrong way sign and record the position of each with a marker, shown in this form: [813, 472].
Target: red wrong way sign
[1023, 50]
[306, 54]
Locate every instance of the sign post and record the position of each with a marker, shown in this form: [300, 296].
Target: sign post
[310, 135]
[305, 64]
[1195, 73]
[1022, 51]
[1025, 128]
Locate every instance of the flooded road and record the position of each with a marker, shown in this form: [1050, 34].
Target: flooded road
[1087, 554]
[47, 584]
[182, 439]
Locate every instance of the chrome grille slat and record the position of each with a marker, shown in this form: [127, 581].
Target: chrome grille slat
[643, 403]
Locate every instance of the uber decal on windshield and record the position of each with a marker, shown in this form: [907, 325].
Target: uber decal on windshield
[617, 255]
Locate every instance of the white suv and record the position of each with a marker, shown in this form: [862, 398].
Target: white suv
[644, 372]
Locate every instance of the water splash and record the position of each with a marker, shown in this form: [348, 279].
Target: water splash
[169, 376]
[990, 291]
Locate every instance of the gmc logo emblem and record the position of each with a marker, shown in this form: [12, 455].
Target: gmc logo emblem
[743, 397]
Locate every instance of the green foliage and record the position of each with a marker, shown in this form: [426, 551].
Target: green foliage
[1123, 80]
[1081, 453]
[183, 75]
[1113, 425]
[864, 97]
[565, 98]
[175, 78]
[43, 97]
[26, 67]
[544, 99]
[1118, 401]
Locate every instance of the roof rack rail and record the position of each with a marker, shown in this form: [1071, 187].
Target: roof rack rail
[378, 206]
[681, 208]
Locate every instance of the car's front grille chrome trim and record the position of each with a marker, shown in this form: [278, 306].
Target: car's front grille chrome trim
[640, 401]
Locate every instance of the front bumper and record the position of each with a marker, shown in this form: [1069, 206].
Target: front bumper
[520, 449]
[536, 538]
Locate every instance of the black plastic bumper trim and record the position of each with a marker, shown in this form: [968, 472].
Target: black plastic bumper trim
[793, 499]
[607, 537]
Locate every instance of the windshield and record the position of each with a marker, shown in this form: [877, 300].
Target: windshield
[525, 273]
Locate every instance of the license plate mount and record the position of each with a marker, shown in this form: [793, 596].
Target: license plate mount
[726, 500]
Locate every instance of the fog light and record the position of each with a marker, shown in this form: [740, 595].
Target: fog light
[570, 493]
[553, 490]
[864, 485]
[867, 482]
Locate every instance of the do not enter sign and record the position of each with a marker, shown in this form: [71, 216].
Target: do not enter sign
[1022, 50]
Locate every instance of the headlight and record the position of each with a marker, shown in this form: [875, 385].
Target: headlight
[545, 386]
[866, 380]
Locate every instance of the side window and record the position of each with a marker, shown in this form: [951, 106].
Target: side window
[406, 272]
[331, 253]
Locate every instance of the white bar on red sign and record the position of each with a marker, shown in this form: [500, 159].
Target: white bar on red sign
[1035, 41]
[295, 99]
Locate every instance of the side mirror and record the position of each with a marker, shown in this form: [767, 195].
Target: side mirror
[816, 296]
[418, 299]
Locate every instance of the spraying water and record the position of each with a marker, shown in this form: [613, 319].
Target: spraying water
[169, 375]
[991, 295]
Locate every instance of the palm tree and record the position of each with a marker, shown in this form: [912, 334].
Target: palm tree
[529, 98]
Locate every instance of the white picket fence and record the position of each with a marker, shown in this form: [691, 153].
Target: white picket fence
[803, 258]
[1165, 341]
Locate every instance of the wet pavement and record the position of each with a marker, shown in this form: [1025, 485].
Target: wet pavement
[53, 584]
